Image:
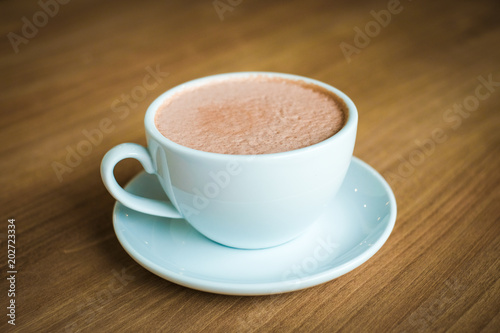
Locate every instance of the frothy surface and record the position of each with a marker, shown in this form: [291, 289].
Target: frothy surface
[255, 115]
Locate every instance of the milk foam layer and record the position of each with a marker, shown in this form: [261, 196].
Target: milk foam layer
[257, 115]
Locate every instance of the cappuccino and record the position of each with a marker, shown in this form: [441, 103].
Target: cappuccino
[247, 116]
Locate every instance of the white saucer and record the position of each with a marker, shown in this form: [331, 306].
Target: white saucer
[356, 225]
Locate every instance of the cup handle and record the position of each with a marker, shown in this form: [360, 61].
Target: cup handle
[135, 202]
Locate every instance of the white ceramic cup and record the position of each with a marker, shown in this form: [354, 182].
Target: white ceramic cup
[242, 201]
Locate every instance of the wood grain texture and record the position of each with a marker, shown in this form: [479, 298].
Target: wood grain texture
[439, 270]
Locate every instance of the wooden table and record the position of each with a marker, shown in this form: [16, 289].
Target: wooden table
[429, 123]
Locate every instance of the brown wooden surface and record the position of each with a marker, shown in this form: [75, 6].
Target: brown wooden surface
[438, 271]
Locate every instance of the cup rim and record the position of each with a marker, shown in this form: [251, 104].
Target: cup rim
[351, 123]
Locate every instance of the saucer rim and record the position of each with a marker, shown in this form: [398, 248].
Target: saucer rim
[265, 288]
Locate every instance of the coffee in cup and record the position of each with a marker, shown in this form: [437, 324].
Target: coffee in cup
[251, 160]
[242, 116]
